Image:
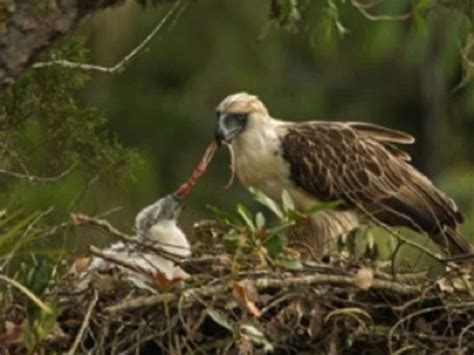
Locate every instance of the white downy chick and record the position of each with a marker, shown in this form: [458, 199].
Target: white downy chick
[156, 223]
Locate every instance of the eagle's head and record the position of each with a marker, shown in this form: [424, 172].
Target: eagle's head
[236, 113]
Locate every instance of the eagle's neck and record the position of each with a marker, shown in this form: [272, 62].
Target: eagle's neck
[258, 157]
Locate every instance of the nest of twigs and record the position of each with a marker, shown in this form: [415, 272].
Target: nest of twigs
[244, 304]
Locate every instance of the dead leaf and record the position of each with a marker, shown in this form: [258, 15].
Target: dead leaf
[79, 265]
[247, 294]
[165, 284]
[78, 219]
[445, 285]
[225, 259]
[364, 278]
[13, 333]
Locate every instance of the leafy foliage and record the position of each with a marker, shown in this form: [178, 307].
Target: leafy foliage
[48, 138]
[52, 145]
[252, 231]
[41, 117]
[15, 232]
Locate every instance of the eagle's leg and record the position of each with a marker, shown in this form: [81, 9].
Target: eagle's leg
[324, 230]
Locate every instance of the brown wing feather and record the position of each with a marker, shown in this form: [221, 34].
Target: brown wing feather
[382, 134]
[342, 161]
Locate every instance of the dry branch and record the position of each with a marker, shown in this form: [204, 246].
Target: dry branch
[261, 284]
[79, 219]
[84, 325]
[120, 66]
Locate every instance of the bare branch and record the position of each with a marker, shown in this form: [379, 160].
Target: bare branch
[79, 219]
[84, 325]
[120, 66]
[37, 179]
[114, 259]
[421, 312]
[364, 8]
[264, 283]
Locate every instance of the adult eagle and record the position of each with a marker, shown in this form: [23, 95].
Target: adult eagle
[356, 163]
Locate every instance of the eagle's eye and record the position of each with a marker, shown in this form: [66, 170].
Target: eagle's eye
[240, 117]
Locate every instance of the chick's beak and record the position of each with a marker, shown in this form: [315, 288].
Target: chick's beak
[178, 201]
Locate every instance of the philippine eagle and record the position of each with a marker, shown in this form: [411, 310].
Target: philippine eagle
[353, 162]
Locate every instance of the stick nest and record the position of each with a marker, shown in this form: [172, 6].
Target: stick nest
[244, 304]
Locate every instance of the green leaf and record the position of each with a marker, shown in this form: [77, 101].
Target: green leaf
[292, 264]
[220, 319]
[281, 227]
[333, 20]
[230, 241]
[7, 218]
[263, 199]
[43, 306]
[29, 338]
[246, 216]
[423, 5]
[288, 204]
[17, 235]
[322, 206]
[295, 216]
[260, 220]
[222, 216]
[39, 325]
[40, 278]
[274, 245]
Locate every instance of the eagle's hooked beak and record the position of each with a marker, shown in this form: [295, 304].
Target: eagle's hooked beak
[228, 127]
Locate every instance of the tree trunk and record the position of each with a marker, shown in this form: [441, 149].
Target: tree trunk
[29, 27]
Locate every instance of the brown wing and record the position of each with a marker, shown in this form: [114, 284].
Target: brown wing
[357, 163]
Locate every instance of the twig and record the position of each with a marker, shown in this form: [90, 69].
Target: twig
[37, 179]
[84, 325]
[363, 9]
[112, 258]
[420, 312]
[79, 219]
[122, 63]
[264, 283]
[461, 335]
[81, 193]
[335, 280]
